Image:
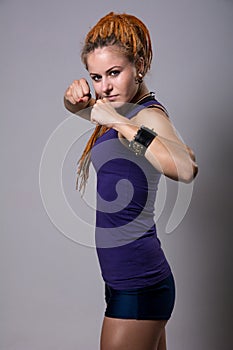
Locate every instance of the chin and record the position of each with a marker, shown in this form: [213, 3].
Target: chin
[117, 104]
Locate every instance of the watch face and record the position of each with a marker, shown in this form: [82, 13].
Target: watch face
[137, 148]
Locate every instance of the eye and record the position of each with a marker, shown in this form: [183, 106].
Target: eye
[96, 77]
[114, 73]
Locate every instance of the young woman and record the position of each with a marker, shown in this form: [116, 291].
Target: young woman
[134, 142]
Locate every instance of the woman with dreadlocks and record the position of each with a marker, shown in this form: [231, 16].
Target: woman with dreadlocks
[133, 143]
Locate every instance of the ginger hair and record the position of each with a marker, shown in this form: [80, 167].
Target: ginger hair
[132, 37]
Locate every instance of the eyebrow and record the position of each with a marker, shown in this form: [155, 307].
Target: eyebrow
[107, 71]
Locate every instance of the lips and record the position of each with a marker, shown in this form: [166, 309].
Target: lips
[111, 97]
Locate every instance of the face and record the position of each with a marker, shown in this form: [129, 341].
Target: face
[112, 74]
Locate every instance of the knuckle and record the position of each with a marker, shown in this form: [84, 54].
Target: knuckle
[82, 80]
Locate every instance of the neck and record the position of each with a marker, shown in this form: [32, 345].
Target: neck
[141, 93]
[142, 90]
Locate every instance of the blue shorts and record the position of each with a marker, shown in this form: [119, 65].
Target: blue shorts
[154, 302]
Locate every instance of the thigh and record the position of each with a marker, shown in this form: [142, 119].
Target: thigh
[162, 345]
[123, 334]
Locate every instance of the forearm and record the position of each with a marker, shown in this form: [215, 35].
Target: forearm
[173, 159]
[77, 107]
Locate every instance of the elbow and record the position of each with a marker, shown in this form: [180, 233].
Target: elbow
[190, 174]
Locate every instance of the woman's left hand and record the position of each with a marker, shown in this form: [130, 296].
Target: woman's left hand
[103, 113]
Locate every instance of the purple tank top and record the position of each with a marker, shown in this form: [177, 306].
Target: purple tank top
[128, 248]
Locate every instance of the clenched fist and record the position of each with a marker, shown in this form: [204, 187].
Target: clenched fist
[103, 113]
[78, 92]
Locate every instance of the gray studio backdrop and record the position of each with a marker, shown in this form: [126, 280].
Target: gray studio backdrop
[51, 291]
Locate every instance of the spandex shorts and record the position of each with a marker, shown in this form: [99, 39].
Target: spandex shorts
[154, 302]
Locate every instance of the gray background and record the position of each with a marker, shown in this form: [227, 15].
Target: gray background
[51, 291]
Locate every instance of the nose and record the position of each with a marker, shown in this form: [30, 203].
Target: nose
[106, 85]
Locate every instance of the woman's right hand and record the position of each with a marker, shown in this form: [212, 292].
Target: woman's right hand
[78, 92]
[78, 98]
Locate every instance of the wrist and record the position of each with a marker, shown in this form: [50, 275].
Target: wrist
[142, 140]
[78, 106]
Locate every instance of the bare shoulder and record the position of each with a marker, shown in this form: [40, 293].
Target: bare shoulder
[157, 119]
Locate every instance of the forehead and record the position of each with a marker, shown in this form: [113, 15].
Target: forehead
[105, 57]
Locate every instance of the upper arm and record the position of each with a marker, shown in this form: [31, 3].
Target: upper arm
[155, 118]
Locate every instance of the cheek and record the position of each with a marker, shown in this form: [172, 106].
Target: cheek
[128, 81]
[96, 87]
[132, 79]
[131, 84]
